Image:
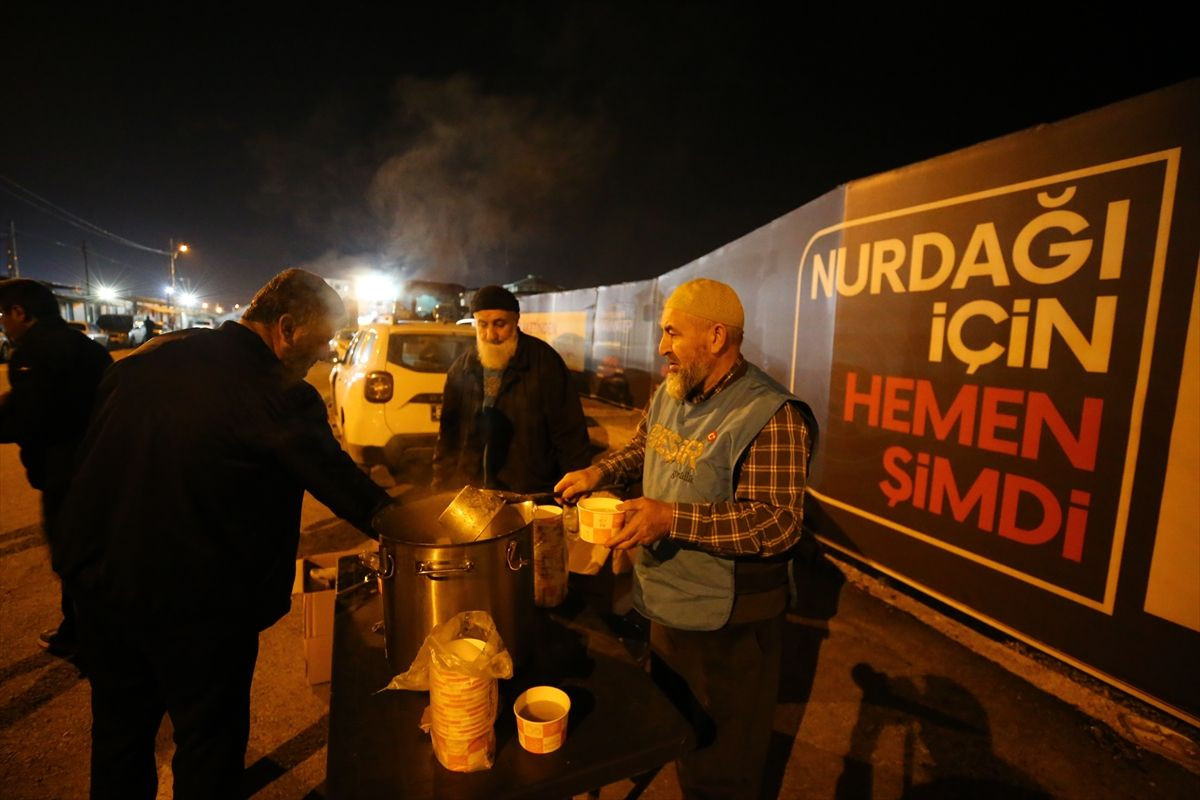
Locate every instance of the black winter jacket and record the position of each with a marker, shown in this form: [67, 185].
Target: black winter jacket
[54, 372]
[186, 503]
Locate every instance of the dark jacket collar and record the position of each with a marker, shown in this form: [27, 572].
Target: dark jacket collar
[247, 338]
[43, 327]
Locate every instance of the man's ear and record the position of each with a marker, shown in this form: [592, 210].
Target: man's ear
[287, 327]
[718, 337]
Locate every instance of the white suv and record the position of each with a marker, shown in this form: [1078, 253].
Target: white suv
[387, 390]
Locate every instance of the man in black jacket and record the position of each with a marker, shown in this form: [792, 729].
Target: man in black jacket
[184, 521]
[510, 416]
[54, 372]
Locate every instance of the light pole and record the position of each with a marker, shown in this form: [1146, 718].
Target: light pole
[174, 251]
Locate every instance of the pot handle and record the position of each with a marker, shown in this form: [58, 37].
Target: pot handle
[378, 562]
[512, 555]
[436, 569]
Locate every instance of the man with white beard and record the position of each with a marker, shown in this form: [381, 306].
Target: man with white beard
[723, 456]
[511, 418]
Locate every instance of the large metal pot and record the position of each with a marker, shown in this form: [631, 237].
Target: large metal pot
[428, 576]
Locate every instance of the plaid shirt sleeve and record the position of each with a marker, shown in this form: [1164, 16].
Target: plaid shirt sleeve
[625, 465]
[765, 515]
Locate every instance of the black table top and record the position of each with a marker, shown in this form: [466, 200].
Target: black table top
[620, 724]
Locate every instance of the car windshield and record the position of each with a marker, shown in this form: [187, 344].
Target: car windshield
[427, 352]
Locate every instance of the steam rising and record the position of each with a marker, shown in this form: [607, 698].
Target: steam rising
[453, 183]
[481, 177]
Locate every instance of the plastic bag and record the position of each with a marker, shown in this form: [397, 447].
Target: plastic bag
[458, 664]
[494, 661]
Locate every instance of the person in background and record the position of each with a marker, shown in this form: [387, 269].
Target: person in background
[511, 418]
[54, 372]
[151, 329]
[723, 456]
[183, 525]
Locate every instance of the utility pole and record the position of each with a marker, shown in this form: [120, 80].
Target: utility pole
[171, 248]
[11, 264]
[175, 251]
[87, 286]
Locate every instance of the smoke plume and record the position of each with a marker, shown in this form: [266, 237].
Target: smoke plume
[480, 177]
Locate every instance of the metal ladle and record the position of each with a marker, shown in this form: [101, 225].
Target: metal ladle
[473, 509]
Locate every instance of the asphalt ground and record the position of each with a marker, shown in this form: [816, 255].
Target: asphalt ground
[884, 695]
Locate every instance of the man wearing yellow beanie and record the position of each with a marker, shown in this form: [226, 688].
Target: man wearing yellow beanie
[723, 457]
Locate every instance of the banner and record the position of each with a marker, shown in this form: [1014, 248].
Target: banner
[1008, 424]
[565, 331]
[972, 399]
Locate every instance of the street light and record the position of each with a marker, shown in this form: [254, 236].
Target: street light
[174, 251]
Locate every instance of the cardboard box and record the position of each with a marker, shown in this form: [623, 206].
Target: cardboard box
[317, 598]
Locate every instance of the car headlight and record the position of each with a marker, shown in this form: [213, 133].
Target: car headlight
[378, 387]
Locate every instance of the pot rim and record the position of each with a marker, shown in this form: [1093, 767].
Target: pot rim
[383, 537]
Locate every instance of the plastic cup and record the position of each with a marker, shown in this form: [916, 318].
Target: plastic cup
[599, 519]
[541, 713]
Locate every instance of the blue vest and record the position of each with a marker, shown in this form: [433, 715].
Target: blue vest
[691, 454]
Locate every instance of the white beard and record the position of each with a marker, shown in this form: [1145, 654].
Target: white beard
[496, 356]
[686, 379]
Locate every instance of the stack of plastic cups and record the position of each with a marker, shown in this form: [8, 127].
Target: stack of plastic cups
[549, 557]
[463, 711]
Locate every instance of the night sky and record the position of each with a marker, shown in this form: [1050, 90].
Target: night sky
[585, 143]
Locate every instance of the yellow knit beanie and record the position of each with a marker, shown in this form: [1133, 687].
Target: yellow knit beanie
[708, 299]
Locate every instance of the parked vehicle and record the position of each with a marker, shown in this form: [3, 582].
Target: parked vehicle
[117, 326]
[341, 342]
[90, 330]
[387, 391]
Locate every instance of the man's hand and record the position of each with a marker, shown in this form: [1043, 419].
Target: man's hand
[646, 521]
[581, 481]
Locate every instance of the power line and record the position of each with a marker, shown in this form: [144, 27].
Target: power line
[46, 207]
[138, 284]
[28, 235]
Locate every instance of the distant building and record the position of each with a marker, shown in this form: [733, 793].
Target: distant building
[532, 284]
[75, 304]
